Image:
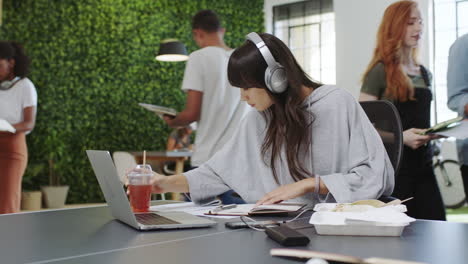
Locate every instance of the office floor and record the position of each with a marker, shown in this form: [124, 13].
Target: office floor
[458, 215]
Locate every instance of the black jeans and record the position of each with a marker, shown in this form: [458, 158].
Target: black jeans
[464, 172]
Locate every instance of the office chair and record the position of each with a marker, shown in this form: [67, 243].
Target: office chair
[386, 119]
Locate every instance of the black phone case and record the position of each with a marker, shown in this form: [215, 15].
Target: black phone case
[286, 236]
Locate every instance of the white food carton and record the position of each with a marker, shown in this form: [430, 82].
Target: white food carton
[364, 221]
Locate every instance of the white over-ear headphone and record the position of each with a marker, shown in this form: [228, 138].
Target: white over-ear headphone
[275, 75]
[5, 85]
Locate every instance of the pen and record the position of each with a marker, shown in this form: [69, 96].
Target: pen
[228, 206]
[224, 207]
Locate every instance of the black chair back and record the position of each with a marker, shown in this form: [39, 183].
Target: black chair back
[386, 119]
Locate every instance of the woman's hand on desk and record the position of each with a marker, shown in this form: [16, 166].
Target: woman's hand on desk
[163, 184]
[288, 191]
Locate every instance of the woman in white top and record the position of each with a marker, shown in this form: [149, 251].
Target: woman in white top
[18, 101]
[306, 142]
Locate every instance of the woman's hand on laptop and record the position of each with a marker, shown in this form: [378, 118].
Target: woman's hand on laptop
[175, 183]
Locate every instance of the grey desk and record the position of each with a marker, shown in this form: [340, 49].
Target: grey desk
[90, 235]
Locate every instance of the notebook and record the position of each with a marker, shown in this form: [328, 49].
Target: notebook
[106, 174]
[159, 110]
[444, 125]
[251, 209]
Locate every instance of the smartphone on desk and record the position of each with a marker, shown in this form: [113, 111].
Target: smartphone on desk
[258, 224]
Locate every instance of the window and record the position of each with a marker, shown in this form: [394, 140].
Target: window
[462, 19]
[308, 28]
[450, 22]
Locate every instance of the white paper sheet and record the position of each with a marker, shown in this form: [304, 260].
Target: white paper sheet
[5, 126]
[459, 132]
[188, 207]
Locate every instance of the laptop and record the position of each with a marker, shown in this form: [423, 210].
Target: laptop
[114, 193]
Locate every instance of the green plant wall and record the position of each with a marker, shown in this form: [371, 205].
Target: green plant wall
[93, 61]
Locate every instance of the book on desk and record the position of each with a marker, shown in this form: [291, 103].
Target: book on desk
[251, 209]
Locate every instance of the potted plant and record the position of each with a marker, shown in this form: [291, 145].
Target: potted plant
[55, 194]
[30, 199]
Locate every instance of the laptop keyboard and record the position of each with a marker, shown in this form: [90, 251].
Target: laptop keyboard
[154, 219]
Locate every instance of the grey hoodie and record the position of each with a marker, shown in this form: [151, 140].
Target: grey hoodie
[347, 154]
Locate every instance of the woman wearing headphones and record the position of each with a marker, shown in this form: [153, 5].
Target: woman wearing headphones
[306, 142]
[18, 101]
[395, 74]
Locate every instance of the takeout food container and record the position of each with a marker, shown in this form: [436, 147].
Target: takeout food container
[354, 228]
[359, 219]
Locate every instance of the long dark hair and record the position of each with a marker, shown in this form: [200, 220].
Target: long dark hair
[287, 119]
[13, 50]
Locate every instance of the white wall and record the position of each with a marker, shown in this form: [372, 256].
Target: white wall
[356, 23]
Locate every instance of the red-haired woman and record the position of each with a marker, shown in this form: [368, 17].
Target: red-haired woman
[395, 74]
[18, 100]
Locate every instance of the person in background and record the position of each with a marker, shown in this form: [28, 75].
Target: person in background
[211, 102]
[179, 140]
[18, 102]
[457, 93]
[306, 142]
[395, 74]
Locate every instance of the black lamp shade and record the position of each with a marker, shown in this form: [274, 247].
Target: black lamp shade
[172, 50]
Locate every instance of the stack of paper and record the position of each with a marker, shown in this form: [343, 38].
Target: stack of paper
[159, 110]
[459, 132]
[187, 207]
[5, 126]
[214, 210]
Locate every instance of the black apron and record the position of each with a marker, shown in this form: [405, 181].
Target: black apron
[416, 176]
[416, 114]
